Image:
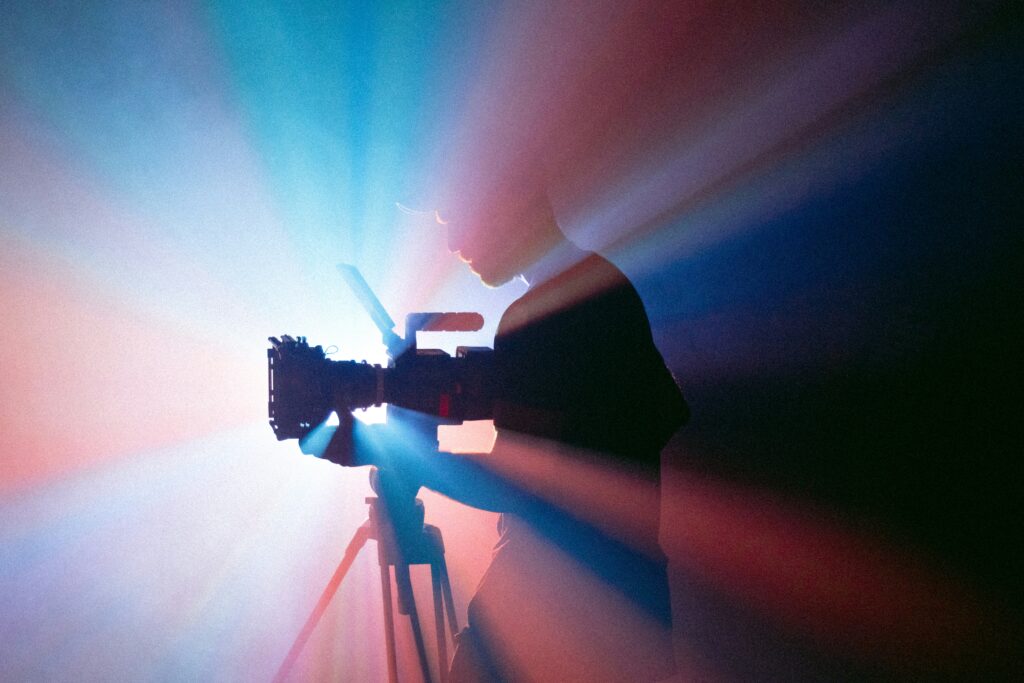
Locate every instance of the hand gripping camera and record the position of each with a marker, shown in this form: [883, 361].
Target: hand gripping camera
[305, 386]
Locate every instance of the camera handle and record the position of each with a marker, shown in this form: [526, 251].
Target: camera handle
[396, 523]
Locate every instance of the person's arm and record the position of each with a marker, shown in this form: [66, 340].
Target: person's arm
[464, 477]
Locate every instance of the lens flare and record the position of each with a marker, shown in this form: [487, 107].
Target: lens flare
[811, 200]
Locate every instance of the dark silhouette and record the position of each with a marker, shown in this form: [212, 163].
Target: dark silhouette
[579, 380]
[577, 366]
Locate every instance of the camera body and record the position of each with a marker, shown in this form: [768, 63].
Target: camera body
[305, 386]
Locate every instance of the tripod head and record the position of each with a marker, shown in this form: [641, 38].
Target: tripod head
[396, 511]
[397, 514]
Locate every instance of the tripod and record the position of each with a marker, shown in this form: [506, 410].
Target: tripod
[396, 523]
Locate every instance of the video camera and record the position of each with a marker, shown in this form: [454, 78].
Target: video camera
[305, 386]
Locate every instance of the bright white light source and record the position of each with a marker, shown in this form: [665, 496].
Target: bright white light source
[372, 416]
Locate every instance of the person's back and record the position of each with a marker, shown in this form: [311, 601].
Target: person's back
[577, 364]
[581, 387]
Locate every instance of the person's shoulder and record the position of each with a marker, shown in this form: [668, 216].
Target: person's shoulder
[515, 315]
[593, 285]
[605, 288]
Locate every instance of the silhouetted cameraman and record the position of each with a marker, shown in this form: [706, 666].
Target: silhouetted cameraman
[577, 588]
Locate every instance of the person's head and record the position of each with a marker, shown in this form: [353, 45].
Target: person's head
[501, 233]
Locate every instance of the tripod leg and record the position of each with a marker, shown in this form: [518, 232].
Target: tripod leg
[389, 623]
[442, 638]
[404, 584]
[355, 545]
[449, 602]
